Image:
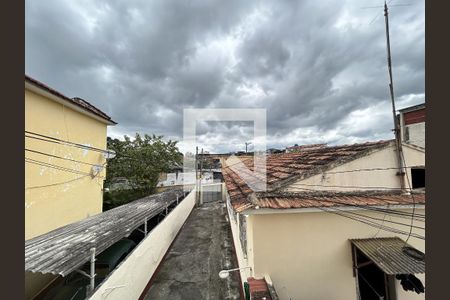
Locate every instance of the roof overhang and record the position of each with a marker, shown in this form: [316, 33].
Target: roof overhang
[66, 102]
[67, 248]
[389, 255]
[412, 108]
[265, 211]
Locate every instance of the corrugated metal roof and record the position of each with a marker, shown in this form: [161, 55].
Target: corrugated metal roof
[388, 255]
[65, 249]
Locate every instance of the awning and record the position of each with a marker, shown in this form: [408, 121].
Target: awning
[67, 248]
[388, 255]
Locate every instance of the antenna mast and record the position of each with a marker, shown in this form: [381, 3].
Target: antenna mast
[401, 171]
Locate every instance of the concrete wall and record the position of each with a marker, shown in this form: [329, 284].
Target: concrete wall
[132, 275]
[308, 255]
[416, 134]
[243, 260]
[48, 203]
[385, 158]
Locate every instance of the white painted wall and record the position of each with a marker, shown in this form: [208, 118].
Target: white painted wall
[243, 261]
[416, 134]
[385, 158]
[308, 255]
[132, 275]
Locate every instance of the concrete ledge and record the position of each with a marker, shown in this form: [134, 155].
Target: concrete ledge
[131, 277]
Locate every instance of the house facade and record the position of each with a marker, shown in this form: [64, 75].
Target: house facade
[301, 233]
[65, 146]
[412, 124]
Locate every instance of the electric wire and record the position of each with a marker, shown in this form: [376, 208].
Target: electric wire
[412, 196]
[393, 212]
[373, 224]
[59, 157]
[349, 186]
[50, 139]
[60, 168]
[55, 184]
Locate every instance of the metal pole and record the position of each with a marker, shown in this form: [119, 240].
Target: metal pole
[201, 177]
[92, 277]
[145, 226]
[196, 175]
[398, 142]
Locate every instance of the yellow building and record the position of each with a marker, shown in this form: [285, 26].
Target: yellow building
[65, 159]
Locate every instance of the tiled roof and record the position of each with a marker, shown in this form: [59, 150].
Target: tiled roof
[258, 289]
[284, 168]
[333, 199]
[76, 101]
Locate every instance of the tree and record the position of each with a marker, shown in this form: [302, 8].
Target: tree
[141, 160]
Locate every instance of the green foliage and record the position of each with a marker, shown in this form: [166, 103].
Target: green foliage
[141, 160]
[120, 197]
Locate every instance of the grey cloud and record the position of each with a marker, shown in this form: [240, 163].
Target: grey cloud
[311, 64]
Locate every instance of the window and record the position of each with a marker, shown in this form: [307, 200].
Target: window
[418, 177]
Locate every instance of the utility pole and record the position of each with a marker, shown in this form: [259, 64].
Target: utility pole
[246, 144]
[201, 177]
[401, 167]
[196, 175]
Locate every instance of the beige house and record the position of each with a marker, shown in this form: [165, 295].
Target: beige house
[333, 222]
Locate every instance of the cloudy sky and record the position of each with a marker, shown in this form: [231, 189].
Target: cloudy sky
[317, 67]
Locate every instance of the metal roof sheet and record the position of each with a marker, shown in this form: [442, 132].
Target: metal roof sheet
[388, 255]
[65, 249]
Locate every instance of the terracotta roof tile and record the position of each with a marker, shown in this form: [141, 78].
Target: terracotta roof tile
[334, 199]
[258, 289]
[284, 168]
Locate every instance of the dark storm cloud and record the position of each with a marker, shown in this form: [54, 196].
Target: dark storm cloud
[319, 68]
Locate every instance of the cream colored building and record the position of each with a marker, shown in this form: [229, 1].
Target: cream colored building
[65, 159]
[298, 233]
[412, 124]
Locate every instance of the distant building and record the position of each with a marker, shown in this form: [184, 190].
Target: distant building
[412, 124]
[274, 151]
[297, 148]
[332, 223]
[63, 173]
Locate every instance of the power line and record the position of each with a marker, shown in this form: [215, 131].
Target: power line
[373, 224]
[378, 219]
[50, 139]
[365, 170]
[55, 184]
[59, 157]
[414, 202]
[380, 210]
[41, 163]
[351, 186]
